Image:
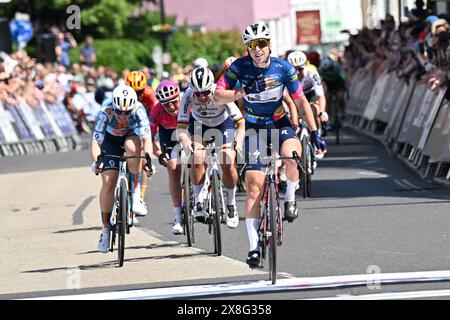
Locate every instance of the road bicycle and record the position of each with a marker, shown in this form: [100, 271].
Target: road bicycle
[122, 217]
[270, 229]
[308, 159]
[188, 198]
[211, 195]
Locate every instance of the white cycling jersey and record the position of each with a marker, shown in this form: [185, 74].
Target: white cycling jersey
[210, 114]
[311, 83]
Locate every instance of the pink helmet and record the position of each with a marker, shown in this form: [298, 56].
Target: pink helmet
[167, 91]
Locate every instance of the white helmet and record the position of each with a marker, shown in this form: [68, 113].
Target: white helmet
[201, 79]
[124, 98]
[297, 58]
[255, 31]
[200, 62]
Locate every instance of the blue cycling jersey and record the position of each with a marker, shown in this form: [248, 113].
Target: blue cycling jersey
[137, 122]
[264, 107]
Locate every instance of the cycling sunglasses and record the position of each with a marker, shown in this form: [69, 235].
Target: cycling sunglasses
[261, 43]
[167, 103]
[202, 93]
[299, 68]
[122, 113]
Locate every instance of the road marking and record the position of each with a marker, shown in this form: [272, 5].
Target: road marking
[392, 295]
[262, 286]
[77, 217]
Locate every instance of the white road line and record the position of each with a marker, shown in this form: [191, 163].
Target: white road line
[401, 184]
[262, 286]
[392, 295]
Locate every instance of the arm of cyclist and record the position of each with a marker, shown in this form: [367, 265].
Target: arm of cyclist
[320, 93]
[144, 132]
[292, 110]
[182, 124]
[97, 139]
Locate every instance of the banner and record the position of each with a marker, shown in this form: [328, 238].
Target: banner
[308, 27]
[438, 143]
[19, 125]
[62, 118]
[376, 97]
[390, 98]
[8, 134]
[429, 115]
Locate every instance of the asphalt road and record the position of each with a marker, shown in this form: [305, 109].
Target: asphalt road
[367, 214]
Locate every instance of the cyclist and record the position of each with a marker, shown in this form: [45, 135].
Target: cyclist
[311, 85]
[163, 119]
[122, 124]
[146, 95]
[263, 79]
[334, 77]
[205, 118]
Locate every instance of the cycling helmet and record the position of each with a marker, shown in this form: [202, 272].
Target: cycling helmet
[200, 62]
[137, 80]
[201, 79]
[227, 63]
[167, 91]
[297, 58]
[326, 63]
[124, 98]
[255, 31]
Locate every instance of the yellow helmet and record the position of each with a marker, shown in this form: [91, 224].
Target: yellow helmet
[137, 80]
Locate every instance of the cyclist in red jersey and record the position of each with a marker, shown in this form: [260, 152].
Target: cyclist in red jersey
[146, 95]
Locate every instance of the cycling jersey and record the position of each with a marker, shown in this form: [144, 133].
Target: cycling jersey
[265, 107]
[159, 117]
[210, 114]
[148, 99]
[311, 83]
[106, 122]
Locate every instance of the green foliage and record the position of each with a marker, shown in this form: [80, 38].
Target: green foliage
[213, 46]
[141, 27]
[120, 54]
[108, 17]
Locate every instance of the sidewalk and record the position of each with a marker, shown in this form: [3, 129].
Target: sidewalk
[49, 235]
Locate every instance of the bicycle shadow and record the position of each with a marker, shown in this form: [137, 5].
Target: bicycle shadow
[146, 247]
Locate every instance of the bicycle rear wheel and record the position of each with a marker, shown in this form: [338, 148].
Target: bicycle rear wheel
[121, 223]
[188, 204]
[272, 230]
[216, 217]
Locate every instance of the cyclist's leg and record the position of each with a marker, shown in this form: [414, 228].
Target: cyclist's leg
[289, 142]
[133, 147]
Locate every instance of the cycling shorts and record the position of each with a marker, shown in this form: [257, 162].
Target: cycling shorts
[167, 139]
[223, 133]
[114, 145]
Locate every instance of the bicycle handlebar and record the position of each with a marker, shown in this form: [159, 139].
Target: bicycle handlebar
[123, 158]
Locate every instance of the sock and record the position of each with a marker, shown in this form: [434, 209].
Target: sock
[136, 179]
[106, 217]
[290, 190]
[197, 188]
[252, 233]
[177, 213]
[143, 189]
[231, 196]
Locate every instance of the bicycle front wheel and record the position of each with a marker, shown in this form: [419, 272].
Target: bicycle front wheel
[188, 204]
[121, 223]
[217, 213]
[305, 175]
[272, 229]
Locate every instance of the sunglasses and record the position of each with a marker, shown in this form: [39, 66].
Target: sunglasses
[261, 43]
[167, 103]
[202, 93]
[122, 113]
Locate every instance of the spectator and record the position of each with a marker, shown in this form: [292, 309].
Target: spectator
[87, 53]
[64, 43]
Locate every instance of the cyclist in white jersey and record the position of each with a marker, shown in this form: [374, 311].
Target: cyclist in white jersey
[311, 84]
[204, 118]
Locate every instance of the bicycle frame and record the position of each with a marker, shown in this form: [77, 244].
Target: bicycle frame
[123, 175]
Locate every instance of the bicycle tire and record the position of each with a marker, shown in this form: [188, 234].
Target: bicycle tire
[310, 166]
[121, 223]
[304, 175]
[188, 219]
[272, 229]
[217, 217]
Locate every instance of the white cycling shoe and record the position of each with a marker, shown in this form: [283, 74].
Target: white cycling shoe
[177, 228]
[103, 243]
[139, 206]
[232, 217]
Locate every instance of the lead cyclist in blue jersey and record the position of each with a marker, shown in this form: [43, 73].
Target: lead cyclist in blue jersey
[122, 125]
[263, 79]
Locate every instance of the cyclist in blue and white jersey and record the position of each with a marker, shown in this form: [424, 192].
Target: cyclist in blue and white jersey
[122, 125]
[263, 80]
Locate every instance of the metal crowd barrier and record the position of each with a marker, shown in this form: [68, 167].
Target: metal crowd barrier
[412, 121]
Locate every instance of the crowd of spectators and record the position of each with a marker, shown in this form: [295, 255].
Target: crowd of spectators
[417, 49]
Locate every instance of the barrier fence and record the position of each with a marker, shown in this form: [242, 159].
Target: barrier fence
[42, 128]
[410, 119]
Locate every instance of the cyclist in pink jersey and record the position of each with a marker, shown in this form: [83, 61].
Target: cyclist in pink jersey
[163, 119]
